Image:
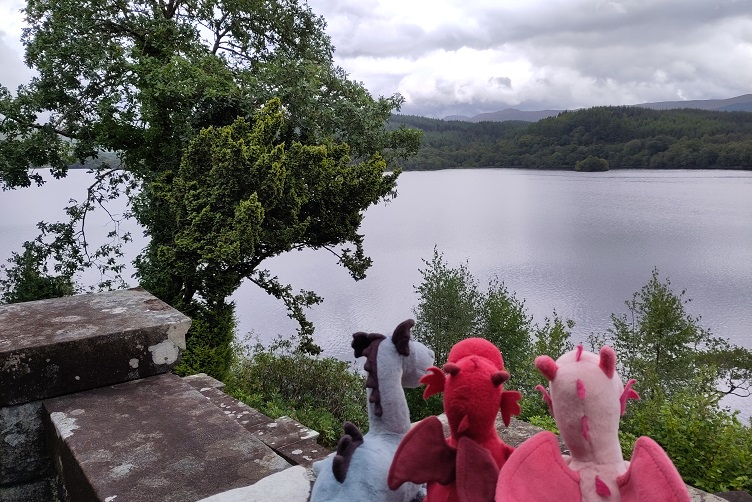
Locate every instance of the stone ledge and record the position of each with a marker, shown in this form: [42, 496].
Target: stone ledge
[290, 439]
[152, 439]
[55, 347]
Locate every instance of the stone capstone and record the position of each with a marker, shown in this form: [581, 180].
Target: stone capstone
[55, 347]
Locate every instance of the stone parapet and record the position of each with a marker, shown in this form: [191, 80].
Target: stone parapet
[55, 347]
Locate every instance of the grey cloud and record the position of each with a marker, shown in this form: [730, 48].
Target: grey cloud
[501, 82]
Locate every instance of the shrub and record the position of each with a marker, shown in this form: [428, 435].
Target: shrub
[321, 393]
[209, 341]
[591, 164]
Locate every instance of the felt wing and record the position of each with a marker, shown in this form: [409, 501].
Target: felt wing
[434, 381]
[651, 476]
[423, 456]
[477, 472]
[536, 471]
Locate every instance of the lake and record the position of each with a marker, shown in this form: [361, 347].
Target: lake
[577, 243]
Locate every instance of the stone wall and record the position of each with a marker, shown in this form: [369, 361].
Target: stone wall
[64, 346]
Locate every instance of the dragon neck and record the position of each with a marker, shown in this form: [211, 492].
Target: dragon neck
[387, 394]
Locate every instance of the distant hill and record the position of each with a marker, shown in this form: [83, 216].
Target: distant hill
[508, 114]
[738, 104]
[626, 137]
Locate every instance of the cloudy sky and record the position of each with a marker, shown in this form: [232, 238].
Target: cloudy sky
[472, 56]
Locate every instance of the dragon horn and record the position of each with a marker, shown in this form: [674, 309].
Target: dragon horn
[547, 366]
[608, 361]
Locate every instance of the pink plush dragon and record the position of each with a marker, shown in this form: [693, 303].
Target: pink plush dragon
[587, 399]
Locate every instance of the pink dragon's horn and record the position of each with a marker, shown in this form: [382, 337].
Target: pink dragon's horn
[499, 378]
[608, 361]
[451, 369]
[547, 366]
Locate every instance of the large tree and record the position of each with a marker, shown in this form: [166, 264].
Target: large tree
[161, 83]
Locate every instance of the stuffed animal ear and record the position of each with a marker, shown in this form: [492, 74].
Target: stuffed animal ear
[608, 361]
[547, 366]
[361, 341]
[401, 337]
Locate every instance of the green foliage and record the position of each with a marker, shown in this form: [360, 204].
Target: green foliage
[321, 393]
[546, 422]
[711, 449]
[208, 341]
[29, 278]
[624, 136]
[591, 164]
[451, 308]
[662, 346]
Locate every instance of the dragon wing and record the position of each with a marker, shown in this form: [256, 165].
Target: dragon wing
[537, 471]
[423, 456]
[477, 472]
[651, 476]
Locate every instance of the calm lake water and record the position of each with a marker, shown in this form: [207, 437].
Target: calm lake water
[577, 243]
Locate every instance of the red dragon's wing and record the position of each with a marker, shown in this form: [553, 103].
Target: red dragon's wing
[536, 471]
[422, 456]
[477, 472]
[651, 476]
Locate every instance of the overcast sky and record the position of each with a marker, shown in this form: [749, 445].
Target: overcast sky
[472, 56]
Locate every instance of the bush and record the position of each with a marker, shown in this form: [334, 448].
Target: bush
[709, 446]
[591, 164]
[321, 393]
[208, 341]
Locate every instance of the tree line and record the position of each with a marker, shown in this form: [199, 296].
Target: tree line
[624, 136]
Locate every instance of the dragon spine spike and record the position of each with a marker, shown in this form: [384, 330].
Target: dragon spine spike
[579, 353]
[401, 337]
[581, 393]
[451, 369]
[601, 488]
[585, 429]
[499, 377]
[547, 366]
[608, 361]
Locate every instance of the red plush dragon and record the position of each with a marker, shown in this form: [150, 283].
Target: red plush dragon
[464, 467]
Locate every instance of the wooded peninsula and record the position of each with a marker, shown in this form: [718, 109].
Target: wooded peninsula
[624, 136]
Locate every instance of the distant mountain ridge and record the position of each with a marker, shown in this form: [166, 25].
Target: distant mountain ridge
[741, 103]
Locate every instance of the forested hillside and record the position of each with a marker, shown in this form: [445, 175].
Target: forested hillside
[627, 137]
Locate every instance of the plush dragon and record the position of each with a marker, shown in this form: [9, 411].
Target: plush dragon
[587, 399]
[464, 467]
[358, 470]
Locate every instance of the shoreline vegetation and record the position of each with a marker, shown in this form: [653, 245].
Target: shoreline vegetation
[625, 137]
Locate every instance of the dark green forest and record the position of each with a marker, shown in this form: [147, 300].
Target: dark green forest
[625, 136]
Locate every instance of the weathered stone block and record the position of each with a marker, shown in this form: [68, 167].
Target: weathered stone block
[23, 452]
[304, 452]
[152, 439]
[55, 347]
